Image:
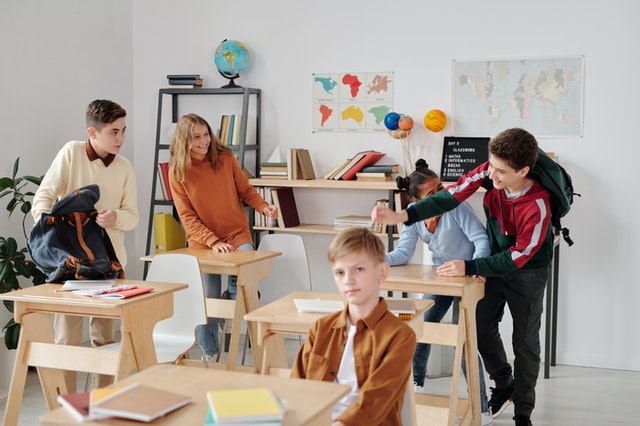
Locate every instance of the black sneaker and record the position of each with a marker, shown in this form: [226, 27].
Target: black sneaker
[522, 421]
[500, 399]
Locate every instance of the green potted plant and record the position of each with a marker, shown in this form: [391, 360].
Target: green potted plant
[13, 261]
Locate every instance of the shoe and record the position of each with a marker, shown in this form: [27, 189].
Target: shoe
[212, 358]
[487, 420]
[418, 388]
[500, 399]
[522, 421]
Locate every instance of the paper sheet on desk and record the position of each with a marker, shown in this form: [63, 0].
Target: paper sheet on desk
[318, 305]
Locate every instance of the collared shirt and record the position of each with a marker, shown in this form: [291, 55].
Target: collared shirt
[382, 348]
[93, 155]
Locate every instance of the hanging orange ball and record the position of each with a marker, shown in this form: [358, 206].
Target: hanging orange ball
[405, 122]
[435, 120]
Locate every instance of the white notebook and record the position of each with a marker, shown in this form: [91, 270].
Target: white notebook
[318, 305]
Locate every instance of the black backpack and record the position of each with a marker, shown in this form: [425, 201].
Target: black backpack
[68, 244]
[558, 182]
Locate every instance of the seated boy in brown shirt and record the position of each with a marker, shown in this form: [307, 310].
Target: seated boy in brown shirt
[364, 346]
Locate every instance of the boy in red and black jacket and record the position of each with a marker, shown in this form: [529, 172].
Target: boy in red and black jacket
[518, 217]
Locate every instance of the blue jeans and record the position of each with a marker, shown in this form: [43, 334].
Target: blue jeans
[208, 334]
[421, 355]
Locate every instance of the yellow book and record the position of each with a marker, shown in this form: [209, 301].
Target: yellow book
[168, 233]
[244, 405]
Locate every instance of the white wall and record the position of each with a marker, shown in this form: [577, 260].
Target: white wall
[290, 40]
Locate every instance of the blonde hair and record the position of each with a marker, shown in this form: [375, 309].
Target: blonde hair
[356, 240]
[179, 151]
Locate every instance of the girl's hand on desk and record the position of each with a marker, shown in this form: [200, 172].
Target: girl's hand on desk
[222, 247]
[270, 211]
[452, 268]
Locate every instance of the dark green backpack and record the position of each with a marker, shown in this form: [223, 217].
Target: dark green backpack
[558, 182]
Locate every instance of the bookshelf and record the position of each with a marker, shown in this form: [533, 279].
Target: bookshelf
[389, 187]
[176, 98]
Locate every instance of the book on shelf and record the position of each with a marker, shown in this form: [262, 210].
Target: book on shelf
[78, 405]
[163, 174]
[293, 169]
[369, 158]
[285, 201]
[404, 309]
[235, 135]
[348, 165]
[168, 233]
[232, 121]
[182, 76]
[304, 163]
[140, 402]
[336, 169]
[185, 86]
[381, 168]
[273, 168]
[378, 226]
[374, 177]
[260, 219]
[318, 305]
[192, 81]
[245, 406]
[343, 222]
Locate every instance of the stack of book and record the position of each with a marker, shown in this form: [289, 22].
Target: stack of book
[348, 168]
[273, 170]
[377, 173]
[244, 406]
[344, 222]
[260, 219]
[185, 81]
[135, 402]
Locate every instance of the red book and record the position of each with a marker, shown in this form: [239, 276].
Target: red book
[124, 294]
[369, 159]
[164, 168]
[78, 405]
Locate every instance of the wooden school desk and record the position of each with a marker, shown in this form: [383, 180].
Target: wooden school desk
[443, 410]
[281, 317]
[34, 308]
[250, 267]
[309, 403]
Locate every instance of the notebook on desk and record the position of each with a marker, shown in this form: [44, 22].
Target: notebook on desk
[318, 305]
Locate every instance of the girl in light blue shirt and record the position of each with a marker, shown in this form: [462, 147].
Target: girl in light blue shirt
[457, 234]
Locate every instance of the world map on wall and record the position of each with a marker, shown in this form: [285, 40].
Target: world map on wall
[351, 102]
[543, 96]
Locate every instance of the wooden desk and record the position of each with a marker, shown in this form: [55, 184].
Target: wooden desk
[309, 402]
[281, 317]
[250, 267]
[424, 279]
[34, 308]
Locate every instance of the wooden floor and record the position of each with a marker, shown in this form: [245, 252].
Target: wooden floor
[572, 396]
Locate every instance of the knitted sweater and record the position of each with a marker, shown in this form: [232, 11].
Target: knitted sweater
[72, 169]
[209, 202]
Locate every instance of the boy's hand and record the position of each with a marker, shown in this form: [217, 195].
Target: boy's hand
[106, 218]
[382, 214]
[452, 268]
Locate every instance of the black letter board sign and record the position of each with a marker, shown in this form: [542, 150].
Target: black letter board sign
[459, 155]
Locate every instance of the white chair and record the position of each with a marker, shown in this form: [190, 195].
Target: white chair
[175, 336]
[289, 272]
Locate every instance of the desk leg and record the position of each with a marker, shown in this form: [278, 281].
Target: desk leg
[246, 301]
[468, 304]
[35, 327]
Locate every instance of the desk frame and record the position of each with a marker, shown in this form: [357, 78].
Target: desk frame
[250, 267]
[418, 278]
[34, 308]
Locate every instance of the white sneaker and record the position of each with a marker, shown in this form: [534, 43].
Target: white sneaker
[418, 389]
[487, 420]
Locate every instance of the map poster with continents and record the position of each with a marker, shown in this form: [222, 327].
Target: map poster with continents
[543, 96]
[351, 101]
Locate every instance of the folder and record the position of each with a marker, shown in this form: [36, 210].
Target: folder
[168, 233]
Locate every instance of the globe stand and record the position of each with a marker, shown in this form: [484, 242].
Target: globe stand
[232, 84]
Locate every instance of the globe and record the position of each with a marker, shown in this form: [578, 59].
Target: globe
[231, 57]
